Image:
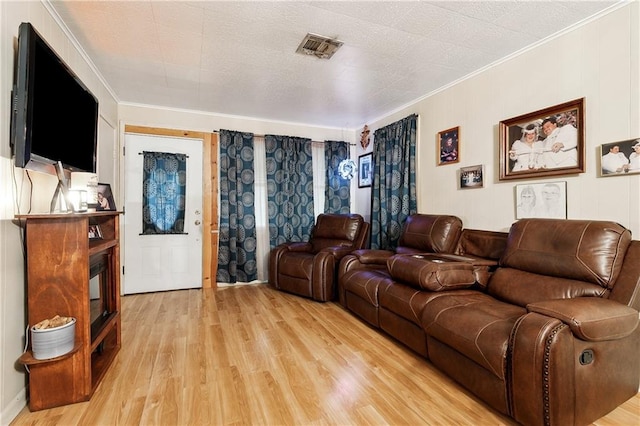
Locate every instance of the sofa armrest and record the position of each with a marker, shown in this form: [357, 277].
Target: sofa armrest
[299, 246]
[590, 318]
[431, 272]
[338, 252]
[373, 257]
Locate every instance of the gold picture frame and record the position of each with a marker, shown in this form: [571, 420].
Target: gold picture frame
[448, 146]
[547, 142]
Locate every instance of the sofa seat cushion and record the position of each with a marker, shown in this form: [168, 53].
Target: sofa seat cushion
[366, 284]
[405, 301]
[475, 325]
[431, 272]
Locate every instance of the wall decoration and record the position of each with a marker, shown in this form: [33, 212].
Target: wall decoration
[347, 169]
[449, 146]
[365, 170]
[548, 142]
[541, 200]
[364, 137]
[620, 158]
[95, 233]
[105, 197]
[472, 177]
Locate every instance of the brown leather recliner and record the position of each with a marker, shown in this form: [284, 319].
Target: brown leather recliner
[554, 337]
[363, 274]
[309, 269]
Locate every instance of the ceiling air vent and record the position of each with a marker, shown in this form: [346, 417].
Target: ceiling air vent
[319, 46]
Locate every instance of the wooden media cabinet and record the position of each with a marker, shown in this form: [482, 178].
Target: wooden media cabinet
[61, 263]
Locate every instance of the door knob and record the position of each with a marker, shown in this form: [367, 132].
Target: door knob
[197, 222]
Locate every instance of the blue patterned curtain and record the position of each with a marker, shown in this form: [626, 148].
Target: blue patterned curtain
[237, 243]
[337, 194]
[289, 188]
[163, 193]
[393, 194]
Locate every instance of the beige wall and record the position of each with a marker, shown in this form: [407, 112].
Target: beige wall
[15, 186]
[597, 61]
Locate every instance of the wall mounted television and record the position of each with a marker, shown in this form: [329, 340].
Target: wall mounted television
[54, 116]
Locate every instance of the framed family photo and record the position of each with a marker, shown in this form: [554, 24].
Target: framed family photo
[472, 177]
[448, 146]
[365, 170]
[95, 233]
[547, 142]
[541, 200]
[620, 158]
[105, 197]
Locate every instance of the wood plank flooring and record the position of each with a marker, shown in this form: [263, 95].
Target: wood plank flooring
[250, 355]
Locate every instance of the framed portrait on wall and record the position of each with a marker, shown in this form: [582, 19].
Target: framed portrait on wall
[547, 142]
[541, 200]
[472, 177]
[448, 146]
[620, 158]
[365, 170]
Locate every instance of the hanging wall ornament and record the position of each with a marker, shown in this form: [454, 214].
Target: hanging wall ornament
[364, 137]
[347, 169]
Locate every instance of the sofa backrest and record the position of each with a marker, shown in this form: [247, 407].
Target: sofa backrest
[627, 288]
[428, 233]
[557, 258]
[333, 230]
[480, 243]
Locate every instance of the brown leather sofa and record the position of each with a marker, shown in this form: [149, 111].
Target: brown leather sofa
[367, 290]
[550, 337]
[309, 269]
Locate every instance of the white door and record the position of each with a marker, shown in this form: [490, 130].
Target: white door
[161, 262]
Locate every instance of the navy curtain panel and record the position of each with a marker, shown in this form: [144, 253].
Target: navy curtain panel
[393, 194]
[163, 193]
[289, 188]
[337, 194]
[237, 234]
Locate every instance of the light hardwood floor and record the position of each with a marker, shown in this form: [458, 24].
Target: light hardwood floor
[250, 355]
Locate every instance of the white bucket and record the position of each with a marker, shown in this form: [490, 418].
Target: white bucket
[53, 342]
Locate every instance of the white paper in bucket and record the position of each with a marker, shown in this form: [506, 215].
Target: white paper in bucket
[49, 343]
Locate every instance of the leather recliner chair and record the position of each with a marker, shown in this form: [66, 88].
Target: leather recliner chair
[309, 269]
[554, 337]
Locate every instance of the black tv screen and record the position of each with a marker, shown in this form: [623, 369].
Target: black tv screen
[55, 116]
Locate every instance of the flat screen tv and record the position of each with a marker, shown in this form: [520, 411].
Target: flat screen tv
[54, 115]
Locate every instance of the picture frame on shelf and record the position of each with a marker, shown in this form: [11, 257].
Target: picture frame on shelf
[448, 146]
[365, 170]
[95, 233]
[547, 142]
[620, 158]
[105, 197]
[471, 177]
[541, 200]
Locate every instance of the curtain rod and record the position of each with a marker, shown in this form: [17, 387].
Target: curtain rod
[262, 136]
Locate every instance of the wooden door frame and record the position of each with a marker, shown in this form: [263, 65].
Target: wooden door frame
[210, 193]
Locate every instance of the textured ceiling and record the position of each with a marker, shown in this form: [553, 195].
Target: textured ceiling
[238, 57]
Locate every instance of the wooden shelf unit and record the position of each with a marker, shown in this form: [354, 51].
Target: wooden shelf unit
[59, 253]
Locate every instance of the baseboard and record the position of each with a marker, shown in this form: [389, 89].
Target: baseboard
[13, 409]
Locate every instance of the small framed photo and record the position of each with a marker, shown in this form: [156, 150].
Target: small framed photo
[541, 200]
[472, 177]
[620, 158]
[548, 142]
[449, 146]
[95, 233]
[105, 197]
[365, 170]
